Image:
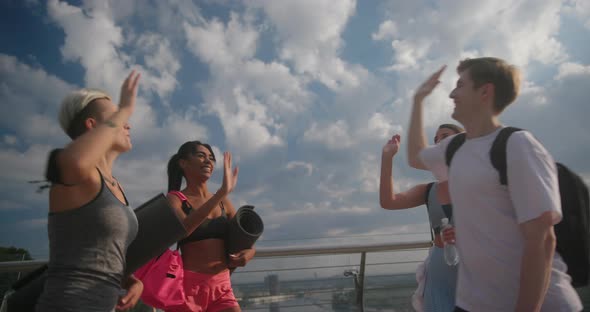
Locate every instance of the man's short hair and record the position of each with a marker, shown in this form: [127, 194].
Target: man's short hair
[505, 78]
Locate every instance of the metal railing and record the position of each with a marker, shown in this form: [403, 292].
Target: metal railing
[275, 252]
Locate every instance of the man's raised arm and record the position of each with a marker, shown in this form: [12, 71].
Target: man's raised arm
[416, 137]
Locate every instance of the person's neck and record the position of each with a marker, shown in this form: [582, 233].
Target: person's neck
[196, 188]
[481, 126]
[105, 165]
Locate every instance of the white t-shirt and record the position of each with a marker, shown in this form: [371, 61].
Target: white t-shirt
[487, 217]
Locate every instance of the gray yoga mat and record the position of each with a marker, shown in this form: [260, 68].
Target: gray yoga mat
[159, 228]
[244, 229]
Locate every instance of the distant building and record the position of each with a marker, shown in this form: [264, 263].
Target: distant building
[272, 282]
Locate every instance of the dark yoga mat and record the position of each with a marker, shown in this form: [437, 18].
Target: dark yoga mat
[159, 228]
[244, 229]
[27, 291]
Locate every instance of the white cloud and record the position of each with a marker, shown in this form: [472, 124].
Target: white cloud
[569, 68]
[166, 15]
[159, 58]
[387, 30]
[369, 173]
[523, 32]
[333, 135]
[41, 128]
[380, 128]
[21, 167]
[275, 85]
[313, 45]
[409, 53]
[94, 40]
[30, 98]
[292, 165]
[220, 45]
[183, 129]
[332, 188]
[142, 178]
[255, 193]
[249, 97]
[535, 92]
[219, 157]
[324, 208]
[246, 123]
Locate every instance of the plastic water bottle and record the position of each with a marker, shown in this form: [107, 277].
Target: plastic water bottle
[450, 251]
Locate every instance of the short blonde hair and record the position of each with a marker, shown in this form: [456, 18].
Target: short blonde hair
[75, 102]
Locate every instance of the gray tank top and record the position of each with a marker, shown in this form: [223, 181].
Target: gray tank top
[87, 254]
[436, 211]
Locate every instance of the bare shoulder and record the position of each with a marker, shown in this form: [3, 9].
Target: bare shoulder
[174, 201]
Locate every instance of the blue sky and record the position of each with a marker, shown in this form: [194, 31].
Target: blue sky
[304, 93]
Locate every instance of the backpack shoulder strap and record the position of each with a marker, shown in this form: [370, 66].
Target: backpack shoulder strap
[453, 146]
[498, 152]
[428, 188]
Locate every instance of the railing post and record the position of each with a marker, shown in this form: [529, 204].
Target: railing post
[23, 259]
[361, 283]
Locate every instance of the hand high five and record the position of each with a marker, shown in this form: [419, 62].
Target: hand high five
[129, 91]
[392, 146]
[230, 177]
[427, 86]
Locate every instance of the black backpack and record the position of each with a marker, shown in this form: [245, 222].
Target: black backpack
[573, 232]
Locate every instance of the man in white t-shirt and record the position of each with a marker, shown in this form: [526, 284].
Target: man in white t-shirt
[504, 234]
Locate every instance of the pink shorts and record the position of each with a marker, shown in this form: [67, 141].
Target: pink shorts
[205, 292]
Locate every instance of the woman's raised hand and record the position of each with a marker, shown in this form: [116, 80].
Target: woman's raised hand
[230, 177]
[392, 146]
[129, 92]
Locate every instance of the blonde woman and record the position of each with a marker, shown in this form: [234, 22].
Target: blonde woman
[90, 223]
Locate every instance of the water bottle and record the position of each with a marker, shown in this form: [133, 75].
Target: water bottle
[450, 251]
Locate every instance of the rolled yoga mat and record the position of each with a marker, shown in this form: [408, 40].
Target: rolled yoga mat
[159, 228]
[244, 229]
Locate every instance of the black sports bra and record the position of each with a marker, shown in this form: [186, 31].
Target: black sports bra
[210, 228]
